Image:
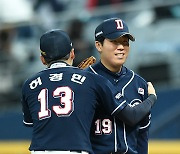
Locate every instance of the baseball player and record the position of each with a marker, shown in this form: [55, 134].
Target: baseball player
[110, 135]
[60, 101]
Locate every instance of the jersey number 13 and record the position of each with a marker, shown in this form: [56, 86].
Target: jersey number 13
[65, 96]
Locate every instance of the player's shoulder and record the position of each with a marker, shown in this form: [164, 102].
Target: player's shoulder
[95, 76]
[96, 68]
[140, 78]
[91, 68]
[137, 76]
[136, 79]
[97, 79]
[33, 77]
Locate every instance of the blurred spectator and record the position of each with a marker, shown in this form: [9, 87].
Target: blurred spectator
[46, 11]
[167, 12]
[9, 67]
[56, 5]
[83, 49]
[12, 53]
[16, 52]
[96, 3]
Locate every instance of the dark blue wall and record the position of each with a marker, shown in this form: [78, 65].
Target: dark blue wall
[12, 127]
[166, 115]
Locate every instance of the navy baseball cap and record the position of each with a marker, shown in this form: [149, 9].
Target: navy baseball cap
[55, 44]
[112, 29]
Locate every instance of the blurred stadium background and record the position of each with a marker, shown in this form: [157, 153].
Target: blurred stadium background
[155, 55]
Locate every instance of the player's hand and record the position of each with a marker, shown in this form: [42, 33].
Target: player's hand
[151, 89]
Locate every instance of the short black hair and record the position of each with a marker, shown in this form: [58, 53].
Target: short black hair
[100, 39]
[49, 61]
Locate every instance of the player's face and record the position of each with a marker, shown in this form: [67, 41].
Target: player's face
[114, 53]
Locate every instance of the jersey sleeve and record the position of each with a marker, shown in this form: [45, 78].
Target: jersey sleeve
[25, 109]
[143, 135]
[145, 123]
[110, 98]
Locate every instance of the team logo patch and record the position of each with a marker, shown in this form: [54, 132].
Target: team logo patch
[118, 95]
[141, 91]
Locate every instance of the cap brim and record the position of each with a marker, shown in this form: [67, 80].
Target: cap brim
[114, 36]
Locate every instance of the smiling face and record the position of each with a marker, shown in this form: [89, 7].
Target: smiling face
[113, 53]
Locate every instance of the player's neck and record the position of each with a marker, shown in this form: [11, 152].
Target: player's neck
[112, 68]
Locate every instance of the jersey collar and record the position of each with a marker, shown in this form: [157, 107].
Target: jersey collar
[122, 72]
[59, 64]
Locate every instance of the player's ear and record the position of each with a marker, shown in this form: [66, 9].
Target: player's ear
[43, 60]
[98, 46]
[72, 54]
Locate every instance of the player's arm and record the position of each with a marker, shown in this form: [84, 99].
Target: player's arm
[117, 105]
[132, 115]
[27, 121]
[143, 133]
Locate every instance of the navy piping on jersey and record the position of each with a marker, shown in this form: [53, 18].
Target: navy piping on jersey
[124, 127]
